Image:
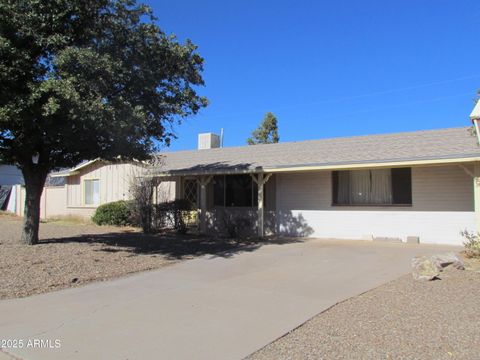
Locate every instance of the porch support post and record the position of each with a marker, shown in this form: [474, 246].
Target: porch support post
[261, 213]
[476, 194]
[204, 180]
[178, 188]
[260, 179]
[156, 183]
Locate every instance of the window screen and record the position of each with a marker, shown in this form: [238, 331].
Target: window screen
[219, 190]
[92, 192]
[235, 191]
[402, 185]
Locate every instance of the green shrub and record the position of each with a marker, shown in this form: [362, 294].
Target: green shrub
[115, 213]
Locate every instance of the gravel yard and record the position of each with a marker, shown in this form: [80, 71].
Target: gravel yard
[403, 319]
[73, 254]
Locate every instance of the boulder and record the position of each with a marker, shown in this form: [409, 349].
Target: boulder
[430, 267]
[424, 269]
[448, 259]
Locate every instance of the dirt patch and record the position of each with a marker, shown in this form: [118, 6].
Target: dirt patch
[72, 254]
[404, 319]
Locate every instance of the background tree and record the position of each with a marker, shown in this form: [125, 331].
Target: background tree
[81, 79]
[267, 132]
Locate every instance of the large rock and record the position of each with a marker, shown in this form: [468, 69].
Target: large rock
[424, 269]
[430, 267]
[448, 259]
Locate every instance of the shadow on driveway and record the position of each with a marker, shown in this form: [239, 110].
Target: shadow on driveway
[171, 245]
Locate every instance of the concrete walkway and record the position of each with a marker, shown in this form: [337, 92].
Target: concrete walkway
[207, 308]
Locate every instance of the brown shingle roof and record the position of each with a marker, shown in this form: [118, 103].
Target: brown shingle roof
[407, 146]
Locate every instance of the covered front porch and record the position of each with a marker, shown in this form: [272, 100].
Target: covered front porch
[231, 204]
[428, 203]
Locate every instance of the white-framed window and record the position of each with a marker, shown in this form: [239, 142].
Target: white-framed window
[91, 192]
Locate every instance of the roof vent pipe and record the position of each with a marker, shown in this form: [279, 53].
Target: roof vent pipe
[475, 117]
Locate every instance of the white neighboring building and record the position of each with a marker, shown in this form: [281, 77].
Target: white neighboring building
[10, 180]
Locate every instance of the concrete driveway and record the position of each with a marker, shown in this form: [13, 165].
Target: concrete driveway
[207, 308]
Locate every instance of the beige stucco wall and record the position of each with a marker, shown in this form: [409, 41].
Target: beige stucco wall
[19, 200]
[53, 202]
[115, 181]
[442, 199]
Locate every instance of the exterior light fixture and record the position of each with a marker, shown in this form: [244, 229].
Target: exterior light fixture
[35, 158]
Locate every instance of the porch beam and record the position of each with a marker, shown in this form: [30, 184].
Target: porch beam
[467, 170]
[203, 181]
[265, 177]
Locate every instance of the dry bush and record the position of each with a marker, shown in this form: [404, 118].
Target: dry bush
[142, 209]
[471, 243]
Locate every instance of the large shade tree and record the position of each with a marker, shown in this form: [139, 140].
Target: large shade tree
[81, 79]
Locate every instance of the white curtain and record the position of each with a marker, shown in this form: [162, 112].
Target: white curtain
[360, 192]
[368, 187]
[381, 189]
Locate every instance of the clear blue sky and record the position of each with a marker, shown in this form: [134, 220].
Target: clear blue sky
[329, 68]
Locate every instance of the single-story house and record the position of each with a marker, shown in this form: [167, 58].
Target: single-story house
[414, 186]
[419, 186]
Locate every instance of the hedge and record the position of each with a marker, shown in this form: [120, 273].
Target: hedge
[115, 213]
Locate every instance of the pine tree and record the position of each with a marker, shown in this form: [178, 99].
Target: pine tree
[267, 132]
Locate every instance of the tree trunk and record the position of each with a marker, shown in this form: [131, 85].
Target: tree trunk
[34, 178]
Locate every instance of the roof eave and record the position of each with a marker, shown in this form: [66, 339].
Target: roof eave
[375, 164]
[174, 173]
[66, 174]
[330, 166]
